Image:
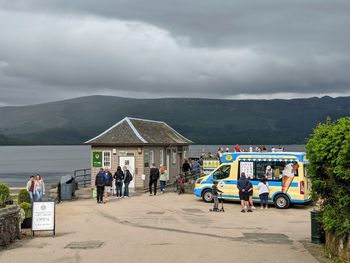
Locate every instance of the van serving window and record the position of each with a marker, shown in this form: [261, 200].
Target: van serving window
[272, 169]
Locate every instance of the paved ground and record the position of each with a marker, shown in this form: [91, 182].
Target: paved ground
[168, 228]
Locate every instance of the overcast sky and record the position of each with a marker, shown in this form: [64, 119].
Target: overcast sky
[57, 49]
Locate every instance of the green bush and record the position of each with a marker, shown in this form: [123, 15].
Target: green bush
[27, 209]
[328, 151]
[5, 198]
[23, 196]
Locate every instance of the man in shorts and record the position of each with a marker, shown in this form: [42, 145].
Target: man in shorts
[244, 185]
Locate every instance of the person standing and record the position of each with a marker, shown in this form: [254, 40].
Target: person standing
[196, 170]
[181, 184]
[243, 186]
[39, 188]
[250, 191]
[186, 168]
[119, 178]
[163, 178]
[30, 188]
[100, 185]
[216, 192]
[128, 178]
[153, 178]
[263, 188]
[108, 186]
[219, 154]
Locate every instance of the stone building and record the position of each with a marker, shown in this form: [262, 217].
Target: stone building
[137, 143]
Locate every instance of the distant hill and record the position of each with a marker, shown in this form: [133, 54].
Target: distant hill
[204, 121]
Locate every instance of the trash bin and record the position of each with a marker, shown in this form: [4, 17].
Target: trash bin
[317, 232]
[67, 184]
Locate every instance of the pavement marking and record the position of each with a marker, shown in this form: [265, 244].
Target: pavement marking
[268, 238]
[85, 245]
[155, 213]
[192, 210]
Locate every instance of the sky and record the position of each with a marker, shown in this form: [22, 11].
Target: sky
[234, 49]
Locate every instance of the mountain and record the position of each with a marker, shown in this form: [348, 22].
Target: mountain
[204, 121]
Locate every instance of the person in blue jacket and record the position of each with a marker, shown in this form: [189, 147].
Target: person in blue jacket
[100, 182]
[244, 187]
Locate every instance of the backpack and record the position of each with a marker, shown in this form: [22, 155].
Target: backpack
[100, 180]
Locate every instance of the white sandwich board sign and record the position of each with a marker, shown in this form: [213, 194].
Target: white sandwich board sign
[43, 216]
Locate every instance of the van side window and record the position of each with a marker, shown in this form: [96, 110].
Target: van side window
[272, 170]
[222, 173]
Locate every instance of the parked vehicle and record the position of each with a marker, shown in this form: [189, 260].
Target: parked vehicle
[285, 172]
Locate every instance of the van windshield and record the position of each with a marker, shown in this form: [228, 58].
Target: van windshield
[222, 172]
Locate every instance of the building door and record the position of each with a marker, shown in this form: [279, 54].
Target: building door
[168, 164]
[129, 161]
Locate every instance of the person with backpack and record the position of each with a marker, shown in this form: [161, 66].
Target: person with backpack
[119, 178]
[128, 178]
[100, 185]
[153, 179]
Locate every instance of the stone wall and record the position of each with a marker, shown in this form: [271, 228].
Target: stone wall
[338, 246]
[9, 225]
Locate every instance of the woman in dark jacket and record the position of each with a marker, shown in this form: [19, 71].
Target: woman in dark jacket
[127, 179]
[119, 178]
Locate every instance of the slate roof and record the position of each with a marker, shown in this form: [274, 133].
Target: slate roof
[133, 131]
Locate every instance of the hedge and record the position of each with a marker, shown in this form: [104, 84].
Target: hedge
[328, 151]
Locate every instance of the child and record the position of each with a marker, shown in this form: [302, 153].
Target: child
[215, 196]
[181, 184]
[263, 188]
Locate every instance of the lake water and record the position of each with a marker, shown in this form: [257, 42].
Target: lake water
[17, 163]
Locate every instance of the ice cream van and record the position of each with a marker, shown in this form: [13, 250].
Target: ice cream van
[285, 172]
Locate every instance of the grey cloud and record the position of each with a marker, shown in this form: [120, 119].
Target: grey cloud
[62, 48]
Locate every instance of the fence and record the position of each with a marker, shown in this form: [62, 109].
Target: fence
[83, 177]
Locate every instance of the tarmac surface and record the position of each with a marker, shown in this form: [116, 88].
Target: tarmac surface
[167, 228]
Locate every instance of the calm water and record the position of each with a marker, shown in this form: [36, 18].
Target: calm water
[17, 163]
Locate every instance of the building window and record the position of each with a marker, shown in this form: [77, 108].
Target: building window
[146, 157]
[161, 157]
[151, 157]
[174, 156]
[107, 162]
[185, 154]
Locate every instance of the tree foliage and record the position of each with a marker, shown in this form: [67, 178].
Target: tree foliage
[328, 150]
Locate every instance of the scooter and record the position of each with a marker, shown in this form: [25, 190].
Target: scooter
[221, 209]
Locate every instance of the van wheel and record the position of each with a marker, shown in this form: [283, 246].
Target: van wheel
[281, 201]
[207, 196]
